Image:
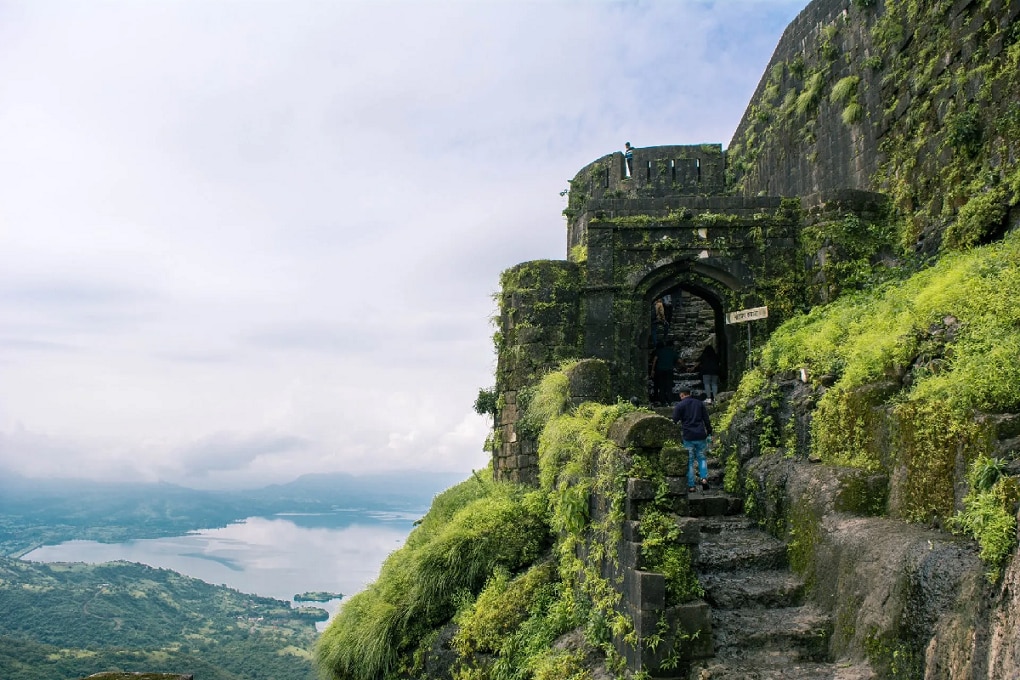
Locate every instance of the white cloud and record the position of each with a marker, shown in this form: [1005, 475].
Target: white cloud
[241, 241]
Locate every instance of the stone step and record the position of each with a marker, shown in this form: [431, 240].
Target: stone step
[774, 666]
[721, 523]
[740, 549]
[747, 589]
[713, 503]
[802, 631]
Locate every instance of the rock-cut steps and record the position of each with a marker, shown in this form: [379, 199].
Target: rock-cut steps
[762, 628]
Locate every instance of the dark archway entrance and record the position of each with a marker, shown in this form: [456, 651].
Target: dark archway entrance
[683, 320]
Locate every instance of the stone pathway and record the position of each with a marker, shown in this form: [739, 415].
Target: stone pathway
[762, 628]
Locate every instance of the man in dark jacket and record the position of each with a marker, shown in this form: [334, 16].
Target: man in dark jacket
[696, 432]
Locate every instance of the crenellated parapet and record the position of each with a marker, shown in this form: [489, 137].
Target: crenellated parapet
[657, 176]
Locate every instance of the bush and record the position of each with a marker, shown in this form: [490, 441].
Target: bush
[471, 531]
[486, 402]
[844, 90]
[513, 624]
[664, 554]
[977, 220]
[989, 513]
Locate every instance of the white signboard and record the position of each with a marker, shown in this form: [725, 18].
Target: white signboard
[747, 315]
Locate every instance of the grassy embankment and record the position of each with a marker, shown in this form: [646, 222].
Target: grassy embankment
[946, 343]
[501, 561]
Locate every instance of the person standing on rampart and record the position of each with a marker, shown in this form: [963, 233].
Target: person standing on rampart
[628, 155]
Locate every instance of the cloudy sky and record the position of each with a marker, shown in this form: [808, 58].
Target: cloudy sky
[242, 240]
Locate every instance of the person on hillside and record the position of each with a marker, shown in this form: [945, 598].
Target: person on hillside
[663, 362]
[708, 366]
[696, 434]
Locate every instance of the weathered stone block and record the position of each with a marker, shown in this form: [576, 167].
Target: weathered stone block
[642, 431]
[690, 530]
[1001, 425]
[646, 590]
[589, 380]
[678, 485]
[693, 621]
[641, 489]
[630, 554]
[632, 508]
[673, 461]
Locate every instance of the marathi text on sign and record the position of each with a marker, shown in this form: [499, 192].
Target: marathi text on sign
[747, 315]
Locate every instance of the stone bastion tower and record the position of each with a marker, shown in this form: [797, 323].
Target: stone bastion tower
[664, 230]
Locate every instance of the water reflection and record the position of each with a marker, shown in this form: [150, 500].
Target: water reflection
[276, 557]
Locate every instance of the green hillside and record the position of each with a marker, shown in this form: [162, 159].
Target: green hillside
[69, 620]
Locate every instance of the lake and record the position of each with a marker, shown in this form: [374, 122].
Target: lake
[279, 556]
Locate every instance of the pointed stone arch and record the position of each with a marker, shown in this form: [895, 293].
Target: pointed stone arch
[710, 281]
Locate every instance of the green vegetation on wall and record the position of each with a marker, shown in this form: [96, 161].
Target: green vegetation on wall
[504, 562]
[946, 131]
[538, 304]
[965, 147]
[852, 251]
[989, 512]
[926, 354]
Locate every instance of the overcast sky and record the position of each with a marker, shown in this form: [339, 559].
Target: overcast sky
[243, 240]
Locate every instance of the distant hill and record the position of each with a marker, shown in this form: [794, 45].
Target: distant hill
[36, 512]
[401, 490]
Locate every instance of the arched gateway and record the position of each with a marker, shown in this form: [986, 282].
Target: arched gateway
[664, 240]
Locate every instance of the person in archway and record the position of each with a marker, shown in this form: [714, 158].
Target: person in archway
[696, 434]
[660, 327]
[663, 363]
[628, 156]
[660, 311]
[708, 366]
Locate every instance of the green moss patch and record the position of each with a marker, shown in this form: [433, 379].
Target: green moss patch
[909, 362]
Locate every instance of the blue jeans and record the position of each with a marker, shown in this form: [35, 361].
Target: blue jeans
[711, 383]
[696, 450]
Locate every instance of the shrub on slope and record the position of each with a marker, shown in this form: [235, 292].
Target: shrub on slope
[472, 530]
[943, 345]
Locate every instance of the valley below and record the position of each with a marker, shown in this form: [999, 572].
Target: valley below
[179, 580]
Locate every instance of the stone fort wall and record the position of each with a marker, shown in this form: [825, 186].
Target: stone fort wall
[916, 100]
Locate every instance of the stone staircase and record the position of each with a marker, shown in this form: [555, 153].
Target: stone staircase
[762, 628]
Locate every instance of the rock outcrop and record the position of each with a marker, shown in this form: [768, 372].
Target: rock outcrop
[912, 600]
